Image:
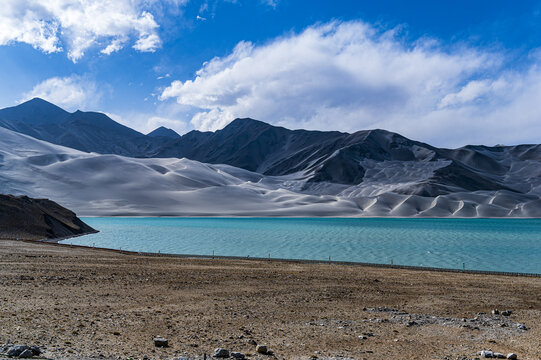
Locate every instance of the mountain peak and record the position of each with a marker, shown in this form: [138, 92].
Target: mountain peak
[162, 131]
[34, 112]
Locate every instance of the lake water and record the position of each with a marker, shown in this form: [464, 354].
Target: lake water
[512, 245]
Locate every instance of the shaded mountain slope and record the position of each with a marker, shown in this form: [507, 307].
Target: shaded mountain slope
[85, 131]
[24, 218]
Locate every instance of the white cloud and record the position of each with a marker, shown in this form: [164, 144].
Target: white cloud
[271, 3]
[351, 76]
[77, 25]
[70, 93]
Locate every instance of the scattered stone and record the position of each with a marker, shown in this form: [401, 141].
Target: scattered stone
[251, 342]
[26, 354]
[161, 342]
[495, 312]
[362, 337]
[507, 312]
[499, 355]
[35, 350]
[512, 356]
[221, 353]
[262, 349]
[17, 350]
[237, 355]
[486, 354]
[411, 323]
[521, 327]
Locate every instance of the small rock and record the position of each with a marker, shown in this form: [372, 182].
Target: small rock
[221, 353]
[495, 312]
[499, 355]
[362, 337]
[26, 354]
[17, 350]
[512, 356]
[262, 349]
[237, 355]
[411, 323]
[486, 354]
[35, 350]
[251, 342]
[507, 312]
[161, 342]
[521, 327]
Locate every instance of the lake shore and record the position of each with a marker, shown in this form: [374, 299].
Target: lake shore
[79, 302]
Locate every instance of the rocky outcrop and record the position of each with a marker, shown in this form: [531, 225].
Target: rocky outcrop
[25, 218]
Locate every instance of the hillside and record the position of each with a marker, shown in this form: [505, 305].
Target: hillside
[24, 218]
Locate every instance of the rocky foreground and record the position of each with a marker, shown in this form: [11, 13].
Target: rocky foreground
[25, 218]
[77, 303]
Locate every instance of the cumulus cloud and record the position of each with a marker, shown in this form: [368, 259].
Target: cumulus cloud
[351, 76]
[70, 93]
[77, 25]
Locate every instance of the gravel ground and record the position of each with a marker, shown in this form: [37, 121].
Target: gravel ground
[83, 303]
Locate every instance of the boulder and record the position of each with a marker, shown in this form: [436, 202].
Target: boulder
[35, 350]
[26, 354]
[161, 342]
[262, 349]
[221, 353]
[17, 350]
[486, 354]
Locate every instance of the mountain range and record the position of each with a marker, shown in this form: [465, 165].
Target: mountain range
[253, 168]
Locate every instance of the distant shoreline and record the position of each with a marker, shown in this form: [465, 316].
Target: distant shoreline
[56, 242]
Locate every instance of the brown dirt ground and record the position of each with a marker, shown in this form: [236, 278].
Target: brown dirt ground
[81, 303]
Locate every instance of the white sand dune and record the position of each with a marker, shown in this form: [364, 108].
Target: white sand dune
[95, 184]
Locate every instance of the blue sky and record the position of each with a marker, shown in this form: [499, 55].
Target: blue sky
[445, 72]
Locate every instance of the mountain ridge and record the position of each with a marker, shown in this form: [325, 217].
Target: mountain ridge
[364, 164]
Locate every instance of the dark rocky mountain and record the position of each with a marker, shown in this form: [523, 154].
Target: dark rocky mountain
[85, 131]
[164, 132]
[343, 158]
[25, 218]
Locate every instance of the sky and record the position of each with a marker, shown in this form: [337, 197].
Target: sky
[449, 73]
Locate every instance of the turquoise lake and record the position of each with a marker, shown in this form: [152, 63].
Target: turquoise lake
[510, 245]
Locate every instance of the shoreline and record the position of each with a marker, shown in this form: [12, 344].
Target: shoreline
[355, 216]
[55, 242]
